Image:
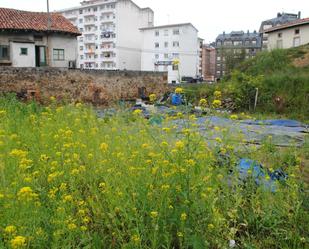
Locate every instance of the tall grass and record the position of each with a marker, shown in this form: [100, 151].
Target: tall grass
[71, 180]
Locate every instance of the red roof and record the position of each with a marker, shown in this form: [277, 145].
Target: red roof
[12, 19]
[288, 25]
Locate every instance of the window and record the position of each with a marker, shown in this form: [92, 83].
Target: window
[165, 68]
[296, 42]
[165, 56]
[175, 44]
[279, 44]
[175, 55]
[166, 44]
[279, 35]
[297, 32]
[237, 43]
[81, 48]
[175, 67]
[58, 54]
[176, 32]
[157, 56]
[80, 20]
[166, 32]
[253, 42]
[81, 57]
[157, 45]
[157, 33]
[4, 52]
[218, 58]
[80, 11]
[23, 51]
[156, 68]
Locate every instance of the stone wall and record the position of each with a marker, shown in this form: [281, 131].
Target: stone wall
[93, 86]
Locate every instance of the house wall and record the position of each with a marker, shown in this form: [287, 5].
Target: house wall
[92, 86]
[188, 51]
[288, 36]
[69, 44]
[27, 40]
[19, 60]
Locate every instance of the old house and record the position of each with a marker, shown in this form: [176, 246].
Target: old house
[281, 18]
[292, 34]
[32, 39]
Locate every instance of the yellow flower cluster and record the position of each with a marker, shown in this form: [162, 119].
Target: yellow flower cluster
[26, 194]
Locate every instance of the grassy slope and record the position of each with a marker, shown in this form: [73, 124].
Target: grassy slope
[286, 75]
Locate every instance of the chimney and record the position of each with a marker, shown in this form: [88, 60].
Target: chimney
[299, 14]
[223, 33]
[279, 14]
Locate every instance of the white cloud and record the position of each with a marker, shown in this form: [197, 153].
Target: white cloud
[210, 17]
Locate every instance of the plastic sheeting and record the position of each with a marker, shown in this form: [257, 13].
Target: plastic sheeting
[281, 132]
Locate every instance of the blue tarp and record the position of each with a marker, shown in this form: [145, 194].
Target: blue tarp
[258, 174]
[282, 132]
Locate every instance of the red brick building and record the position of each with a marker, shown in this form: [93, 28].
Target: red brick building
[209, 62]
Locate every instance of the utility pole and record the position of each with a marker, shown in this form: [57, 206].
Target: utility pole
[48, 16]
[48, 30]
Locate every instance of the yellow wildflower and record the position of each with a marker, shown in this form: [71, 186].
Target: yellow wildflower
[183, 217]
[152, 97]
[18, 242]
[203, 102]
[104, 146]
[234, 117]
[137, 112]
[179, 145]
[178, 90]
[217, 94]
[216, 103]
[136, 239]
[154, 214]
[10, 229]
[26, 193]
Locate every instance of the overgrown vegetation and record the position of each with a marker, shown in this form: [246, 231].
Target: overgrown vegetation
[282, 79]
[71, 180]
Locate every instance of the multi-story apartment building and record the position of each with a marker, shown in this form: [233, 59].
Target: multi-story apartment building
[172, 48]
[200, 52]
[235, 47]
[111, 38]
[209, 63]
[282, 18]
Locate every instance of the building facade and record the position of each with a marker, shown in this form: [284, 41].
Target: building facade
[292, 34]
[172, 48]
[235, 47]
[31, 39]
[282, 18]
[209, 63]
[111, 38]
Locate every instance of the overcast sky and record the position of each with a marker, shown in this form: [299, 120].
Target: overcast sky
[209, 17]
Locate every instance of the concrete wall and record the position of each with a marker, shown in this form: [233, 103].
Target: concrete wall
[130, 19]
[288, 36]
[93, 86]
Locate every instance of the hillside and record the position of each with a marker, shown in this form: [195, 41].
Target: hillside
[282, 77]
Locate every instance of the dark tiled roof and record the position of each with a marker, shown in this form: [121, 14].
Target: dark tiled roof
[280, 19]
[241, 36]
[289, 25]
[11, 19]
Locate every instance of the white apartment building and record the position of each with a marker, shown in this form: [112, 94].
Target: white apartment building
[163, 45]
[111, 38]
